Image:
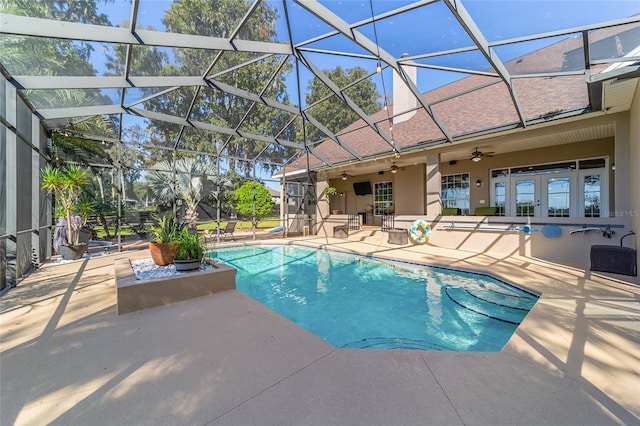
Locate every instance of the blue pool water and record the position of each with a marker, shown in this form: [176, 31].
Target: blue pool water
[357, 302]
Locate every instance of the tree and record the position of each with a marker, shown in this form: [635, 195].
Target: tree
[334, 113]
[253, 200]
[66, 184]
[220, 18]
[192, 181]
[23, 55]
[215, 18]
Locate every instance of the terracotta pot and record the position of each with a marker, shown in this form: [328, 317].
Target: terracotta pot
[187, 265]
[162, 253]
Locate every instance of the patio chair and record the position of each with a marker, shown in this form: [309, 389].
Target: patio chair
[228, 230]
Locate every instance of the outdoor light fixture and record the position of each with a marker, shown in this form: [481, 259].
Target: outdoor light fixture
[344, 175]
[394, 168]
[476, 159]
[478, 183]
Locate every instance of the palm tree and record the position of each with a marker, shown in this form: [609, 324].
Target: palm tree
[66, 184]
[192, 177]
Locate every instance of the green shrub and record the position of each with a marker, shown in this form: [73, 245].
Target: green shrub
[190, 246]
[166, 228]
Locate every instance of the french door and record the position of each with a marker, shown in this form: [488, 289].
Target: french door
[548, 195]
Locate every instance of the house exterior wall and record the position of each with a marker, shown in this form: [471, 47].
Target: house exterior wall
[481, 197]
[623, 150]
[408, 191]
[433, 179]
[634, 155]
[624, 185]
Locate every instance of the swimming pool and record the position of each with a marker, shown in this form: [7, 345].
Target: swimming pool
[354, 301]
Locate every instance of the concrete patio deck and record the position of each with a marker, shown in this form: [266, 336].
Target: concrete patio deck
[68, 359]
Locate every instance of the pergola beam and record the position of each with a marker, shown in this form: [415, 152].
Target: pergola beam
[174, 82]
[38, 27]
[354, 35]
[208, 126]
[335, 89]
[82, 111]
[331, 135]
[464, 18]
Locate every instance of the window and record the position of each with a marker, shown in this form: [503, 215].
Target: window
[592, 189]
[500, 197]
[525, 197]
[382, 198]
[455, 192]
[558, 193]
[575, 188]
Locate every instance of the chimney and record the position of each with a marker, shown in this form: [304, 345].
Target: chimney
[403, 99]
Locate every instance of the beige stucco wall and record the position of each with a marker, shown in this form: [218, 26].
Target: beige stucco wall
[480, 197]
[409, 202]
[410, 187]
[634, 172]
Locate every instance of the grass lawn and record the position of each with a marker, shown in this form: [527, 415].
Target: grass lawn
[268, 223]
[265, 224]
[126, 230]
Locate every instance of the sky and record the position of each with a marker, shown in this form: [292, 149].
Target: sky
[428, 29]
[425, 30]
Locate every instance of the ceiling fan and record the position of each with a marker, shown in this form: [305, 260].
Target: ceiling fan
[477, 155]
[394, 168]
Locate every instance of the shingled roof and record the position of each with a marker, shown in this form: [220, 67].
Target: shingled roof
[481, 103]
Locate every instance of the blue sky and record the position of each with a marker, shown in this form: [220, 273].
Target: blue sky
[428, 29]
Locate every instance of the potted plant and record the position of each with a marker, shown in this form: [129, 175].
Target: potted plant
[86, 209]
[164, 234]
[330, 190]
[189, 251]
[66, 184]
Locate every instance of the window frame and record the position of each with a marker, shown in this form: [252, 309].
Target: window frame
[465, 209]
[576, 185]
[384, 188]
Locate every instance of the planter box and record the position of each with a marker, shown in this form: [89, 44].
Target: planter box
[134, 295]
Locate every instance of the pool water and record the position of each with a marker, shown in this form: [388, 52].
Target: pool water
[354, 301]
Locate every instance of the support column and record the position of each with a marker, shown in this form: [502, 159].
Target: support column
[36, 204]
[10, 173]
[622, 174]
[433, 195]
[322, 205]
[634, 181]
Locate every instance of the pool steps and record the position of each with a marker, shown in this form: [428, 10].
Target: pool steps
[495, 305]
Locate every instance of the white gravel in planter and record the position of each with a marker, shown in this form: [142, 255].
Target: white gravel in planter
[58, 260]
[145, 269]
